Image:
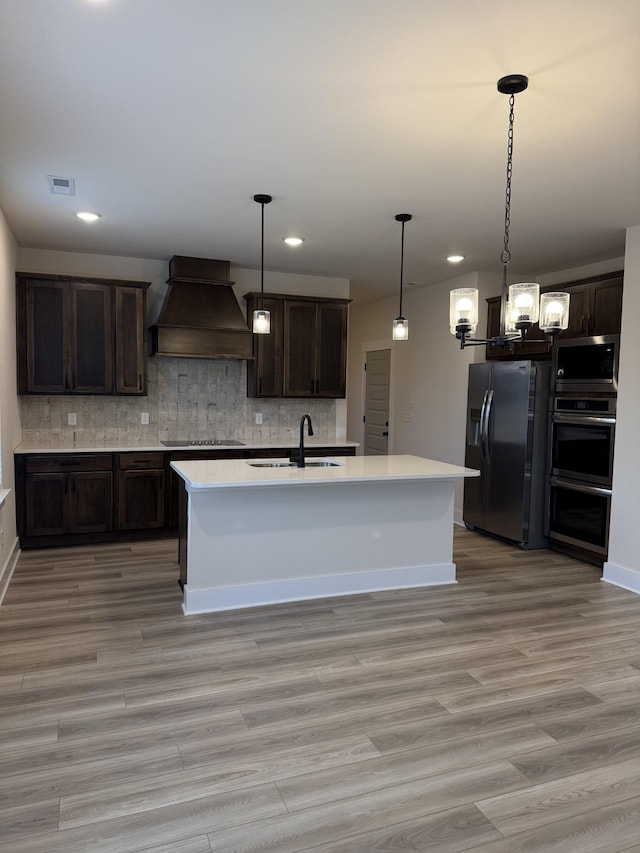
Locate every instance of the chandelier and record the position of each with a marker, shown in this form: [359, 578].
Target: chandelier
[521, 305]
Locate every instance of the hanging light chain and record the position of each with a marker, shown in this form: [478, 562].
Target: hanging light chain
[505, 257]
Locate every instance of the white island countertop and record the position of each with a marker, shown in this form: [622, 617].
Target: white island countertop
[209, 474]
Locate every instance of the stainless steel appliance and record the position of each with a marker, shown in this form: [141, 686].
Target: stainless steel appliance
[579, 515]
[586, 365]
[507, 439]
[582, 439]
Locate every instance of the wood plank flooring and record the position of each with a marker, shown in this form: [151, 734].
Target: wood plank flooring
[499, 715]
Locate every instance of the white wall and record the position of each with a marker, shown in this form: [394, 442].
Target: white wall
[157, 271]
[623, 566]
[9, 416]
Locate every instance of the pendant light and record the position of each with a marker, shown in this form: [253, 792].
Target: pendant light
[400, 325]
[521, 305]
[262, 318]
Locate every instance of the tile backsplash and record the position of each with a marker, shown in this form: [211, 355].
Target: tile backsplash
[188, 398]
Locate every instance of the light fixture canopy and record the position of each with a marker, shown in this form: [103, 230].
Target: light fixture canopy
[262, 318]
[520, 304]
[400, 330]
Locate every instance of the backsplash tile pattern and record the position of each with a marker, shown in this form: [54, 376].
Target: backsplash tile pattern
[187, 398]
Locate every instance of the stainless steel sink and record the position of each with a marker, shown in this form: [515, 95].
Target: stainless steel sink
[277, 463]
[284, 463]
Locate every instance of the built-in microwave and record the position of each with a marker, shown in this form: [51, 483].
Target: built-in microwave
[586, 364]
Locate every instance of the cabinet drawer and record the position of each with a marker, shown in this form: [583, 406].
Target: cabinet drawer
[68, 462]
[137, 461]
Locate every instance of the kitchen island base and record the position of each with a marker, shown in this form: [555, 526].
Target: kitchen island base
[313, 538]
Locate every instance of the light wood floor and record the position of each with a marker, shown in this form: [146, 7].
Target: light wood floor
[501, 715]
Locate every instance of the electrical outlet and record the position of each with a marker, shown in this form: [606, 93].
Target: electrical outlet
[407, 417]
[71, 419]
[259, 418]
[144, 417]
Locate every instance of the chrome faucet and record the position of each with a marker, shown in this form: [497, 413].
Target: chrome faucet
[304, 418]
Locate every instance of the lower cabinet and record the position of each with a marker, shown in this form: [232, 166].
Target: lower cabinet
[141, 490]
[72, 494]
[78, 498]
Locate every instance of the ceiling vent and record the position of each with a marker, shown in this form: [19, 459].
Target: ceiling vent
[61, 186]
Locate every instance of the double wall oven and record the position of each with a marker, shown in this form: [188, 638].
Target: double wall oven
[581, 443]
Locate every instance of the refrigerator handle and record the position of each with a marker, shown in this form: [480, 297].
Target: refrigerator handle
[483, 410]
[485, 425]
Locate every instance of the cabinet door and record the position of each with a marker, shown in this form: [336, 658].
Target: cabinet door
[141, 499]
[129, 340]
[43, 331]
[90, 497]
[578, 312]
[300, 345]
[331, 350]
[264, 373]
[606, 307]
[45, 504]
[91, 338]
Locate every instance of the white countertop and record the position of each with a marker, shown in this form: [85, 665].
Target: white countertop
[155, 448]
[207, 474]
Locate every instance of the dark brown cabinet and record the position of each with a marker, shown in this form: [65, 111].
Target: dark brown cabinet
[68, 494]
[78, 336]
[264, 372]
[306, 353]
[595, 308]
[315, 349]
[141, 490]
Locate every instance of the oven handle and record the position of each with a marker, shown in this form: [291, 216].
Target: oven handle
[581, 419]
[579, 487]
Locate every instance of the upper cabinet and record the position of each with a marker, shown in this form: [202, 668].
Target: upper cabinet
[80, 336]
[595, 308]
[306, 353]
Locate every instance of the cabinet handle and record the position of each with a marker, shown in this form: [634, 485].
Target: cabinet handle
[312, 385]
[317, 386]
[140, 381]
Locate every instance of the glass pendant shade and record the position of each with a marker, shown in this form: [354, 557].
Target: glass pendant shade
[509, 324]
[463, 310]
[261, 322]
[554, 312]
[400, 329]
[524, 300]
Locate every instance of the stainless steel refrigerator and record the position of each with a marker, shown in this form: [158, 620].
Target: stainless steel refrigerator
[507, 438]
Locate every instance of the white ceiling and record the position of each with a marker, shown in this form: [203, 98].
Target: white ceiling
[172, 114]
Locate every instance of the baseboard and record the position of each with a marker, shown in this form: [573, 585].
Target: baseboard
[7, 569]
[619, 576]
[213, 599]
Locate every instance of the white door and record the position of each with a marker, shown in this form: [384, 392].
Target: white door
[376, 408]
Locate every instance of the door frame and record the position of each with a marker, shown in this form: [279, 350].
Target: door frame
[372, 346]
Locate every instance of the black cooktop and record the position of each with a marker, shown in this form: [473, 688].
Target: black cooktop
[205, 442]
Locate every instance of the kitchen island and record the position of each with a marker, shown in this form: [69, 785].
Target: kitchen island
[259, 532]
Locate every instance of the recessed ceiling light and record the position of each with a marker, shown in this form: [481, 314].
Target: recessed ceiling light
[293, 241]
[88, 216]
[455, 259]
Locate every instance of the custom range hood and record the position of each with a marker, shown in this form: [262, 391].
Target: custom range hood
[201, 317]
